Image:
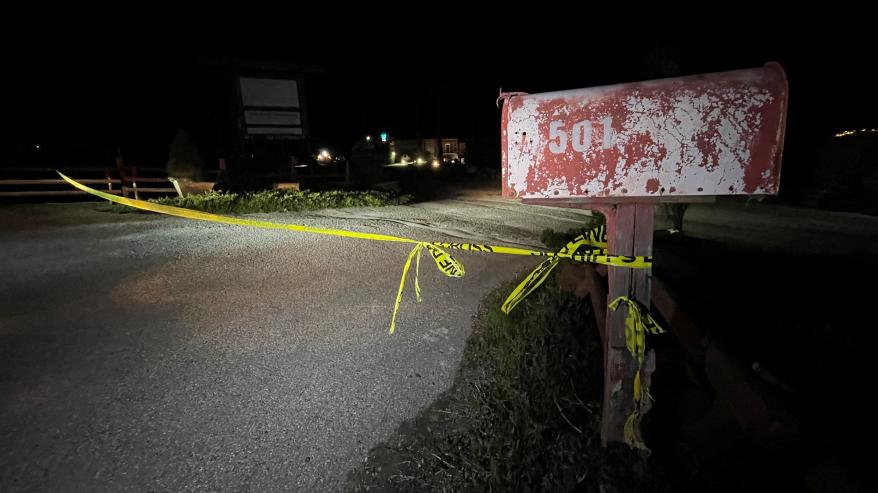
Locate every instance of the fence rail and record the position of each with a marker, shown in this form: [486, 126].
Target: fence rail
[47, 193]
[85, 181]
[132, 181]
[44, 182]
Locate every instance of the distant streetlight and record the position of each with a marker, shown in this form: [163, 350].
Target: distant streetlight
[368, 138]
[854, 132]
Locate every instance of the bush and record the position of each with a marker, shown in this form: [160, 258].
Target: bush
[278, 201]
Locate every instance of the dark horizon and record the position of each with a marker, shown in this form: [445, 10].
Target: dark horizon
[75, 104]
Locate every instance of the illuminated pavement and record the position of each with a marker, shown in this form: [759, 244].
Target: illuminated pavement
[147, 353]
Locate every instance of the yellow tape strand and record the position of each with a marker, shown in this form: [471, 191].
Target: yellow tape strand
[417, 275]
[405, 271]
[447, 264]
[638, 323]
[206, 216]
[594, 238]
[529, 284]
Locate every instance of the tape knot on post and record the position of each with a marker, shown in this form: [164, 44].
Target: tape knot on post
[596, 239]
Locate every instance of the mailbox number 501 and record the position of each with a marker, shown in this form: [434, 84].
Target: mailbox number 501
[581, 135]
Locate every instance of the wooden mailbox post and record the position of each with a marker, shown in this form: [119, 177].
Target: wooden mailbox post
[624, 148]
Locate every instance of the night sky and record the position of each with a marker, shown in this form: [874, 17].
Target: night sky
[77, 104]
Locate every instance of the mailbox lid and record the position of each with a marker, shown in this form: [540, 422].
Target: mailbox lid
[712, 134]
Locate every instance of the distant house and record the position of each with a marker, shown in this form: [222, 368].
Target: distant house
[446, 148]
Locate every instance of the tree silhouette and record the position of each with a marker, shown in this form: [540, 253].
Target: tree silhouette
[184, 160]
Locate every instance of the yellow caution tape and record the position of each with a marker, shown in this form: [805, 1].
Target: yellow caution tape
[529, 284]
[631, 432]
[596, 238]
[447, 264]
[595, 256]
[206, 216]
[637, 324]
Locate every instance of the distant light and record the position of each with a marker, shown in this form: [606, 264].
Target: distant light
[324, 156]
[854, 132]
[436, 163]
[368, 138]
[37, 147]
[383, 136]
[420, 160]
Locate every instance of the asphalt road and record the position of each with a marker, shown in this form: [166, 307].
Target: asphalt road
[146, 353]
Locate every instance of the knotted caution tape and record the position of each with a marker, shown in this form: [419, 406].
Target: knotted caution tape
[447, 264]
[596, 238]
[637, 324]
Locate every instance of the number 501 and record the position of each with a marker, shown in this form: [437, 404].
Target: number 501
[581, 135]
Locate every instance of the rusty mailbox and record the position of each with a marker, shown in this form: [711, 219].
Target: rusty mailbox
[621, 149]
[714, 134]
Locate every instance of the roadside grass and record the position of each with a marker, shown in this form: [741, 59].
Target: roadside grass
[523, 413]
[274, 201]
